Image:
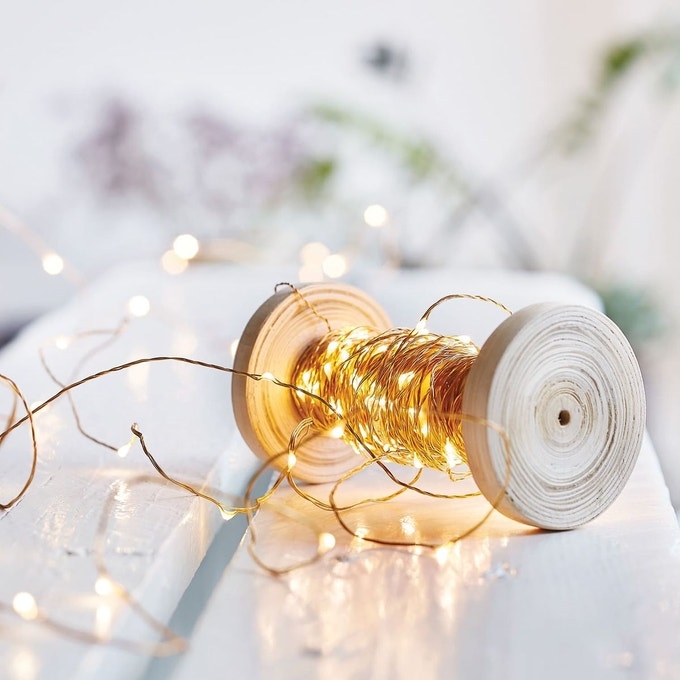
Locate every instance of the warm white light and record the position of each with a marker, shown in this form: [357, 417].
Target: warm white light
[138, 305]
[376, 216]
[268, 376]
[334, 266]
[361, 532]
[124, 450]
[405, 378]
[233, 347]
[102, 621]
[25, 606]
[172, 263]
[185, 246]
[24, 665]
[314, 253]
[292, 459]
[103, 586]
[453, 458]
[310, 273]
[337, 431]
[52, 263]
[441, 554]
[62, 341]
[408, 525]
[227, 514]
[326, 542]
[421, 327]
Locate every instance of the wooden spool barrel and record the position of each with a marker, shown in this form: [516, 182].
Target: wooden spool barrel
[561, 380]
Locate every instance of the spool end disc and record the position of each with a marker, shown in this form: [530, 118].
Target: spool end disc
[564, 384]
[272, 342]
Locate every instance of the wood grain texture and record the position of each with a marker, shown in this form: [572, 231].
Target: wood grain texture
[564, 383]
[273, 341]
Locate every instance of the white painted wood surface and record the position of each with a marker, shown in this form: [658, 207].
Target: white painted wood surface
[509, 601]
[597, 602]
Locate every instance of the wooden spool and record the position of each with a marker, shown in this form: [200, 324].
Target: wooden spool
[561, 380]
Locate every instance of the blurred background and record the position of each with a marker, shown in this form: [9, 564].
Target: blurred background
[501, 133]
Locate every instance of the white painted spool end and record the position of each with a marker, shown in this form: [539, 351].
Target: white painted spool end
[561, 380]
[565, 384]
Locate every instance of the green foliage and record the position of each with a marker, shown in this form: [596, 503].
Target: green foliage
[417, 156]
[635, 311]
[619, 59]
[314, 177]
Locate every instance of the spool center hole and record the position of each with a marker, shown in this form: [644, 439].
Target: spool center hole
[563, 417]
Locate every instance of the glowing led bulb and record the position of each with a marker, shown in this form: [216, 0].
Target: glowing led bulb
[172, 263]
[337, 431]
[405, 378]
[292, 459]
[268, 376]
[314, 253]
[309, 273]
[125, 449]
[62, 342]
[139, 305]
[52, 263]
[227, 514]
[421, 327]
[24, 665]
[102, 622]
[334, 266]
[326, 542]
[25, 606]
[441, 554]
[408, 525]
[104, 586]
[185, 246]
[453, 458]
[376, 216]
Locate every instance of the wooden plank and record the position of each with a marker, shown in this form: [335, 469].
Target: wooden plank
[509, 601]
[158, 535]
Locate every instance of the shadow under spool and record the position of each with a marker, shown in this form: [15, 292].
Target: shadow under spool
[561, 380]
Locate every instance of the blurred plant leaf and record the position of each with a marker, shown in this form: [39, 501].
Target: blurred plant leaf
[314, 176]
[616, 66]
[635, 311]
[417, 156]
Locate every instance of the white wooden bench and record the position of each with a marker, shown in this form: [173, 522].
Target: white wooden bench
[602, 601]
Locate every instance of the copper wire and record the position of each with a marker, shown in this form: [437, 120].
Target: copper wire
[400, 390]
[395, 395]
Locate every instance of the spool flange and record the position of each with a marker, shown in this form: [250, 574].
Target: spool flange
[565, 384]
[272, 342]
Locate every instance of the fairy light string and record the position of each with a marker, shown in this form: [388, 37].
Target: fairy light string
[53, 263]
[400, 390]
[349, 378]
